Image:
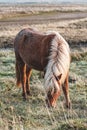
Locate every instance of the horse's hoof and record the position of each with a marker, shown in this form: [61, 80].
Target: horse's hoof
[24, 97]
[28, 93]
[68, 105]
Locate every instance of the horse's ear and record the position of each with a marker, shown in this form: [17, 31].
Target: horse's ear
[50, 37]
[59, 77]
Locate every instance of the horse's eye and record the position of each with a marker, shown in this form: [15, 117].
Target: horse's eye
[57, 78]
[55, 90]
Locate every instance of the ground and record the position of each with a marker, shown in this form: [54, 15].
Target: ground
[33, 114]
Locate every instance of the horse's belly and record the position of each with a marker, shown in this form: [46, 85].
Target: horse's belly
[36, 66]
[35, 63]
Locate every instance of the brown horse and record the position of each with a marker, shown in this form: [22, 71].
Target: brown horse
[47, 52]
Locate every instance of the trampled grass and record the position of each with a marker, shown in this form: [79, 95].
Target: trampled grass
[16, 114]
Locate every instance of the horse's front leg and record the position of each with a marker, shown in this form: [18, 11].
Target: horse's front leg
[65, 88]
[28, 74]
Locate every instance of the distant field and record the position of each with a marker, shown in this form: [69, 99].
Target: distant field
[15, 114]
[38, 12]
[70, 21]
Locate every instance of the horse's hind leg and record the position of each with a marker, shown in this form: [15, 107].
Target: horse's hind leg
[65, 88]
[23, 79]
[21, 76]
[28, 74]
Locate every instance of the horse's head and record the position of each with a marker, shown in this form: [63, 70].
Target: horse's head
[52, 96]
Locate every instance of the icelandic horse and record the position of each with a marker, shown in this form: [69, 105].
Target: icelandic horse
[47, 52]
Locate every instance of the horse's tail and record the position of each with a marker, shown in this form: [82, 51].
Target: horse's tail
[18, 40]
[18, 75]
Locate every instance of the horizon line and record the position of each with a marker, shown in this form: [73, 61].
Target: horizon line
[67, 2]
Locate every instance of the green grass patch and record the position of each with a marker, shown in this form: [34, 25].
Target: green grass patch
[79, 56]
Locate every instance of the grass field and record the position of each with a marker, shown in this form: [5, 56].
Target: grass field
[33, 114]
[17, 114]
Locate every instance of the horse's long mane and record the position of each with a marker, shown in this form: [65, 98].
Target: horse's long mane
[58, 62]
